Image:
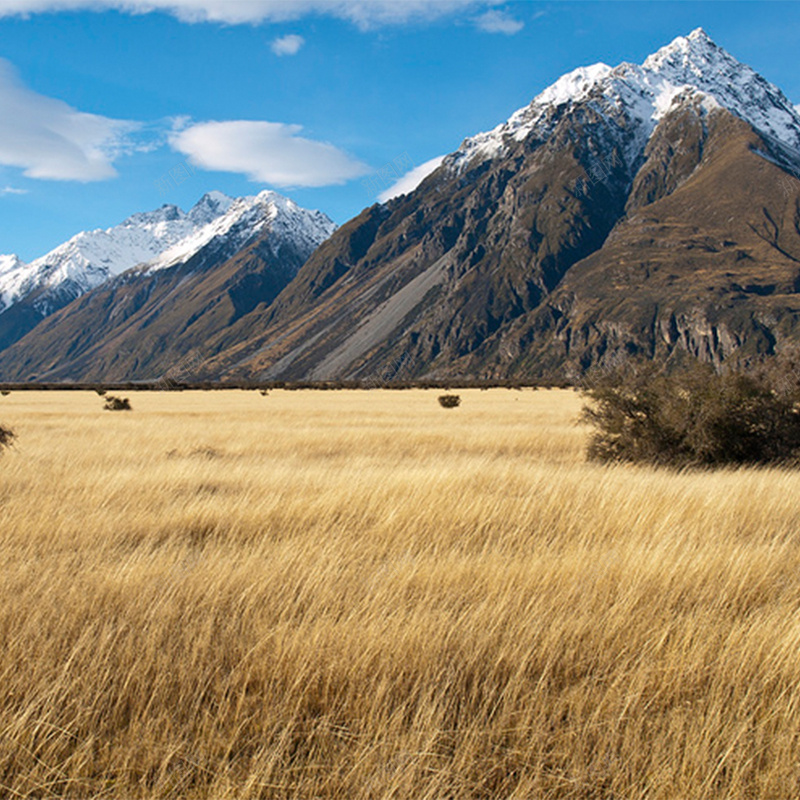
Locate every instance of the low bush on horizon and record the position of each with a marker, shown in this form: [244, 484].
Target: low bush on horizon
[449, 400]
[117, 403]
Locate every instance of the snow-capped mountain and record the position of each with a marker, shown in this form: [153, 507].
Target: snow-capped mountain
[160, 239]
[91, 257]
[166, 281]
[243, 220]
[211, 231]
[9, 264]
[691, 66]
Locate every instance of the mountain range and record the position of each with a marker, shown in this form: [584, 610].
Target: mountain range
[648, 209]
[130, 300]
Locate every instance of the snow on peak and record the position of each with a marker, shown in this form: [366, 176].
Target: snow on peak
[210, 206]
[244, 220]
[573, 86]
[9, 263]
[689, 66]
[695, 60]
[167, 213]
[9, 266]
[694, 52]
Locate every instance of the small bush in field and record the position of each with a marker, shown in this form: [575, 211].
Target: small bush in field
[100, 391]
[6, 438]
[449, 400]
[695, 417]
[117, 404]
[6, 392]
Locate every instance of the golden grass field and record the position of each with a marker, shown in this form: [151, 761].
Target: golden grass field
[362, 595]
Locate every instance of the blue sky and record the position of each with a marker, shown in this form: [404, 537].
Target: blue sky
[106, 112]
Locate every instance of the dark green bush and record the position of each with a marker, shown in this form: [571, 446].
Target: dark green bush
[117, 403]
[695, 417]
[449, 400]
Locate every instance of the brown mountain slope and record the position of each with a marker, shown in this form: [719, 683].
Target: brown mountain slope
[435, 273]
[141, 325]
[526, 268]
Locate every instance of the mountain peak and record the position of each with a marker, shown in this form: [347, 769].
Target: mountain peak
[697, 51]
[698, 34]
[643, 94]
[167, 213]
[9, 262]
[270, 197]
[210, 206]
[574, 85]
[236, 223]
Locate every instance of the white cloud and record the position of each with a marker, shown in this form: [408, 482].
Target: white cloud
[287, 45]
[410, 180]
[496, 21]
[364, 13]
[267, 152]
[12, 190]
[49, 139]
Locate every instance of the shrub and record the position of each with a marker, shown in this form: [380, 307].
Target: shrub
[100, 391]
[117, 404]
[693, 418]
[6, 438]
[449, 400]
[5, 392]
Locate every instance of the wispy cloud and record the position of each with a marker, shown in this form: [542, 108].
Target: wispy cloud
[12, 190]
[497, 21]
[288, 45]
[411, 179]
[49, 139]
[365, 14]
[266, 152]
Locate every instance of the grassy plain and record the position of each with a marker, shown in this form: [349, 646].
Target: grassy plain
[363, 595]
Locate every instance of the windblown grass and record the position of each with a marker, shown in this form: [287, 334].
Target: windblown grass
[363, 595]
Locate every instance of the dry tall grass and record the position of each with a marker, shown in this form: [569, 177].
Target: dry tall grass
[363, 595]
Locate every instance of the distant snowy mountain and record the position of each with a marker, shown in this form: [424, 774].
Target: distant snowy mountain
[217, 225]
[9, 264]
[242, 222]
[92, 257]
